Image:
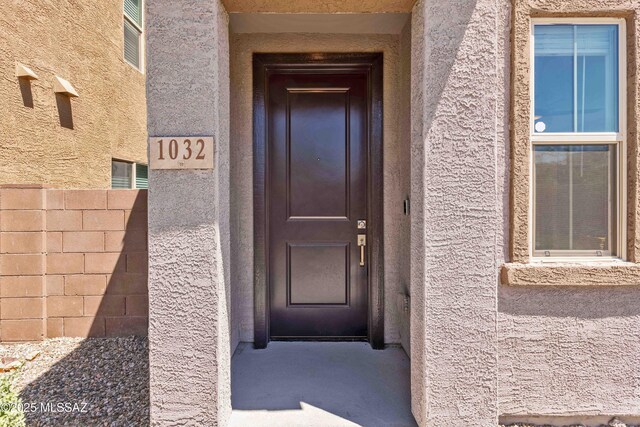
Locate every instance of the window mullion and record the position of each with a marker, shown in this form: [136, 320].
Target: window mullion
[575, 79]
[133, 23]
[578, 138]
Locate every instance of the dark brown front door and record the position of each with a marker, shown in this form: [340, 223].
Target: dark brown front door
[317, 135]
[317, 175]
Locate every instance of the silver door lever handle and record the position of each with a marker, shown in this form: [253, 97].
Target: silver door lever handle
[362, 242]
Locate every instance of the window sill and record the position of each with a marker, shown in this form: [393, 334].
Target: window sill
[602, 273]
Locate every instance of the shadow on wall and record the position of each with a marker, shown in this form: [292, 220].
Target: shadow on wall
[569, 302]
[64, 110]
[26, 92]
[110, 373]
[452, 49]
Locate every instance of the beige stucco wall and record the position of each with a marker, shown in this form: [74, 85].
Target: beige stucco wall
[189, 282]
[568, 351]
[459, 84]
[82, 43]
[479, 349]
[396, 166]
[568, 348]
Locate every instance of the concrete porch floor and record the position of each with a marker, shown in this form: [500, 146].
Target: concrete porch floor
[320, 384]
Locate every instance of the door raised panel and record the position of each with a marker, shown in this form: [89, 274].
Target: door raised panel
[318, 274]
[318, 153]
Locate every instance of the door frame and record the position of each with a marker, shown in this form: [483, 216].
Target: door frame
[371, 64]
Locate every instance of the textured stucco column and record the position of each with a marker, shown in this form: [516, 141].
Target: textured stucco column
[188, 94]
[458, 191]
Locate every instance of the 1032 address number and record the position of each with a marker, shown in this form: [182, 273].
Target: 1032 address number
[181, 152]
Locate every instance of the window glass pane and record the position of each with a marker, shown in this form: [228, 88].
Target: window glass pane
[133, 9]
[142, 176]
[553, 81]
[597, 61]
[120, 174]
[575, 197]
[131, 44]
[576, 78]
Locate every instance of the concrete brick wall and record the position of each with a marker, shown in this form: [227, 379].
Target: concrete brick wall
[72, 263]
[22, 263]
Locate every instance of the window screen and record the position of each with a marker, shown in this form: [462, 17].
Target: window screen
[131, 44]
[575, 198]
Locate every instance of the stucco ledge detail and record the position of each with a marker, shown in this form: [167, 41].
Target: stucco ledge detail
[615, 273]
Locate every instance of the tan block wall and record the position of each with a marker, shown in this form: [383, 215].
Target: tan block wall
[22, 263]
[49, 138]
[72, 263]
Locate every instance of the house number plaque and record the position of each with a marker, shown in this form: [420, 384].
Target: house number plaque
[181, 152]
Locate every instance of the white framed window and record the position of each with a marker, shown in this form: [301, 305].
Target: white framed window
[127, 175]
[132, 23]
[578, 139]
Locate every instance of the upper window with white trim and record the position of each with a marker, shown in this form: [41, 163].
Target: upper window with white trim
[578, 138]
[133, 32]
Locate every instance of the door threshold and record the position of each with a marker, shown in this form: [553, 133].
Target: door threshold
[320, 339]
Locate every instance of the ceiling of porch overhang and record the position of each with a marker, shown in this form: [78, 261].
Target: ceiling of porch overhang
[318, 6]
[323, 23]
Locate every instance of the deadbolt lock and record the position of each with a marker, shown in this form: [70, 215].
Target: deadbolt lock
[362, 224]
[362, 242]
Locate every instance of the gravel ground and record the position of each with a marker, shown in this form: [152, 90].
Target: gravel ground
[103, 381]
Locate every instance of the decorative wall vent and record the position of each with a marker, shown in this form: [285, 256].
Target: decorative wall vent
[25, 72]
[61, 85]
